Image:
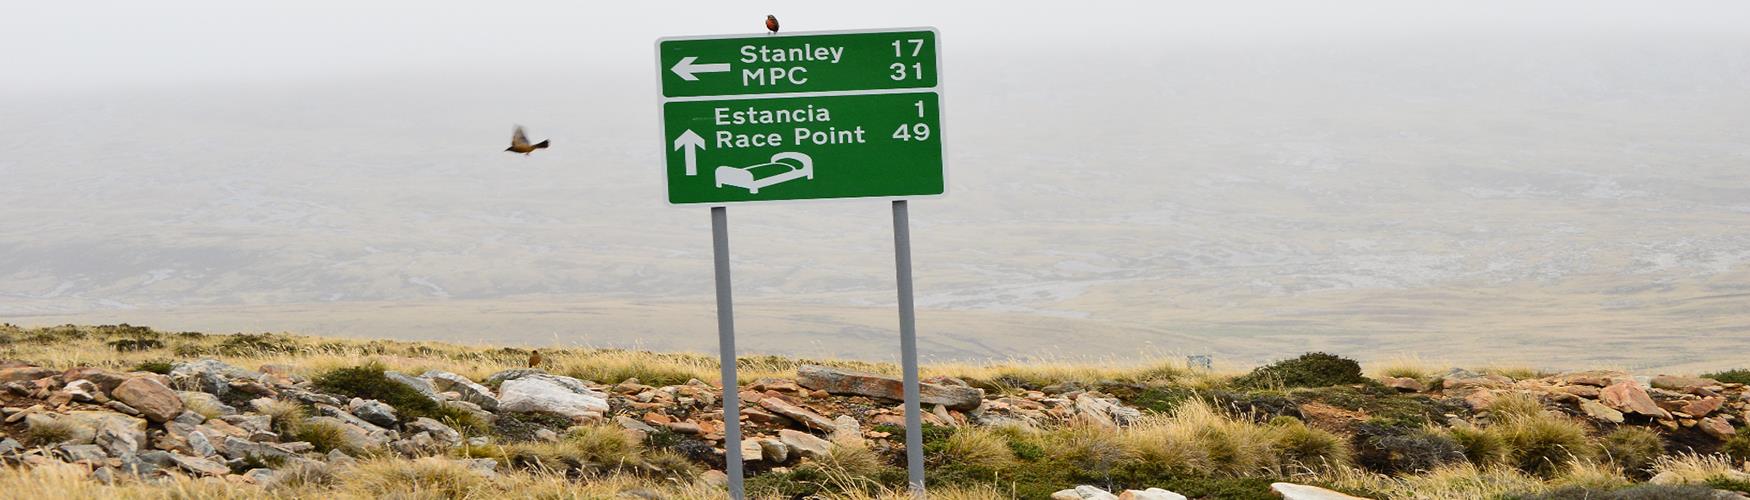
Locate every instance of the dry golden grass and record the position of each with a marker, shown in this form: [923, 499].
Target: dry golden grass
[1406, 366]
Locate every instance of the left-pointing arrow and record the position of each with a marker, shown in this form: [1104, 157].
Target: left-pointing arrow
[686, 69]
[692, 142]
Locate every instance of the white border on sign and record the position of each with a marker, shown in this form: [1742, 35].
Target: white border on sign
[662, 110]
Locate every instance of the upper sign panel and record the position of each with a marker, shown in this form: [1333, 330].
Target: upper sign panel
[797, 62]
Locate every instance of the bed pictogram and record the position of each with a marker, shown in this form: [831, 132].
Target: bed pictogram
[784, 167]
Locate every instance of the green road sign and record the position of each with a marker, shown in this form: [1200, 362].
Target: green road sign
[802, 116]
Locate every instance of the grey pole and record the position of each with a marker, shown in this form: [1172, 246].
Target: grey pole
[726, 346]
[908, 348]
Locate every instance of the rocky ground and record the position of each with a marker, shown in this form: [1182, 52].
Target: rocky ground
[271, 423]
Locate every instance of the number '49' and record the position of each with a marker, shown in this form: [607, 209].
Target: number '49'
[912, 132]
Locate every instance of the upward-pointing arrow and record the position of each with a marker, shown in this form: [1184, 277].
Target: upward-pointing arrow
[685, 68]
[692, 142]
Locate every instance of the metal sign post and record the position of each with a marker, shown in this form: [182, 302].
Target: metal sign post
[805, 116]
[908, 347]
[726, 353]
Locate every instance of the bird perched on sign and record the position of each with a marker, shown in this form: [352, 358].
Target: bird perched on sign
[519, 143]
[535, 359]
[772, 23]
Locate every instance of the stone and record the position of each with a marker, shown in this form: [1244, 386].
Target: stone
[338, 458]
[512, 374]
[1404, 384]
[155, 401]
[547, 435]
[1150, 494]
[804, 444]
[350, 419]
[200, 446]
[1704, 406]
[751, 451]
[190, 418]
[1476, 382]
[846, 429]
[838, 381]
[193, 399]
[119, 440]
[1291, 491]
[544, 394]
[423, 386]
[1084, 492]
[1584, 391]
[774, 451]
[259, 476]
[1106, 412]
[121, 407]
[200, 466]
[1717, 427]
[714, 478]
[808, 418]
[208, 375]
[87, 423]
[1598, 411]
[1480, 399]
[26, 373]
[242, 449]
[1595, 378]
[470, 391]
[251, 423]
[83, 391]
[1628, 397]
[9, 445]
[1682, 384]
[484, 466]
[443, 434]
[107, 380]
[373, 411]
[88, 453]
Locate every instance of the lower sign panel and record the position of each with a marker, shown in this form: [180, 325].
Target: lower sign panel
[804, 148]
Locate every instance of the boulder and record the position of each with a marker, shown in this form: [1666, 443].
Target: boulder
[120, 440]
[107, 380]
[551, 394]
[470, 391]
[86, 424]
[1598, 411]
[373, 411]
[353, 420]
[806, 417]
[774, 451]
[803, 444]
[26, 373]
[245, 449]
[423, 386]
[1704, 406]
[1150, 494]
[1291, 491]
[200, 445]
[1476, 382]
[443, 434]
[1403, 384]
[154, 401]
[208, 375]
[1084, 492]
[200, 466]
[1628, 397]
[838, 381]
[1717, 427]
[512, 374]
[1106, 412]
[1594, 378]
[88, 453]
[1683, 384]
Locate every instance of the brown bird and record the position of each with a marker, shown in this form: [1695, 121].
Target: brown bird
[772, 23]
[535, 359]
[519, 143]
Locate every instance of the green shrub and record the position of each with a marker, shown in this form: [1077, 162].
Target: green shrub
[1737, 376]
[1315, 369]
[1545, 444]
[156, 366]
[1404, 449]
[1632, 448]
[1482, 447]
[368, 381]
[324, 435]
[134, 345]
[1739, 446]
[1296, 443]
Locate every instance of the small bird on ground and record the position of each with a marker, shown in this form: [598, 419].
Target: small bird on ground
[519, 143]
[535, 359]
[772, 23]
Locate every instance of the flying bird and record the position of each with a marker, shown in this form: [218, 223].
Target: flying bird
[519, 143]
[772, 23]
[535, 359]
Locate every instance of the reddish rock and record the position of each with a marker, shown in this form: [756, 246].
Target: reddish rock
[837, 381]
[1704, 406]
[1596, 378]
[1628, 397]
[1717, 427]
[26, 373]
[1584, 391]
[806, 417]
[154, 401]
[1480, 400]
[1683, 384]
[107, 380]
[1404, 384]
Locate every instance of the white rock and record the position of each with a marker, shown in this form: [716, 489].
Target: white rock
[471, 392]
[543, 394]
[1291, 491]
[1150, 494]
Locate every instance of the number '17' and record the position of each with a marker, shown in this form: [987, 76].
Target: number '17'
[917, 46]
